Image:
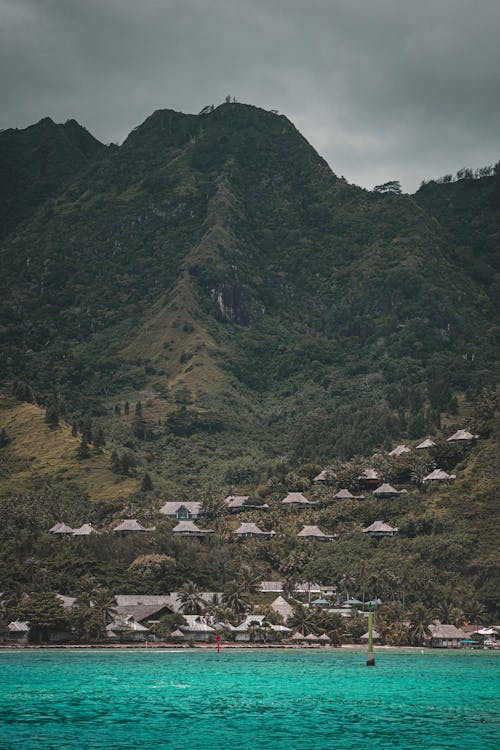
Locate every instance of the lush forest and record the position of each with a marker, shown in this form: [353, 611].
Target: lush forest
[208, 309]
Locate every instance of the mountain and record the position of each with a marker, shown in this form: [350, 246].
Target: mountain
[211, 308]
[36, 162]
[215, 263]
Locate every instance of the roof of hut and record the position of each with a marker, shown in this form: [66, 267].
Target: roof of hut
[189, 527]
[379, 526]
[427, 443]
[126, 623]
[132, 524]
[18, 626]
[388, 489]
[311, 637]
[375, 635]
[369, 474]
[84, 530]
[462, 435]
[273, 586]
[196, 624]
[135, 600]
[281, 606]
[344, 494]
[297, 637]
[399, 450]
[315, 531]
[171, 508]
[439, 474]
[236, 501]
[177, 634]
[324, 637]
[438, 630]
[66, 601]
[61, 528]
[324, 476]
[252, 528]
[140, 612]
[297, 498]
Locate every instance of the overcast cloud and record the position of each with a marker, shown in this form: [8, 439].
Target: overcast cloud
[383, 89]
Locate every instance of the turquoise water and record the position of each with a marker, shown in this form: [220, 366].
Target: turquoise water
[242, 700]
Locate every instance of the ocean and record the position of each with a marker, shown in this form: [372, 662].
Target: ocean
[304, 699]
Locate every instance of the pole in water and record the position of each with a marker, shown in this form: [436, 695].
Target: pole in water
[217, 638]
[370, 657]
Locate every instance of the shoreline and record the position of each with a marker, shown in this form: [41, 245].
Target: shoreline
[224, 647]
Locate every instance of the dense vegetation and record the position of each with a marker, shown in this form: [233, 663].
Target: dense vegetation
[208, 307]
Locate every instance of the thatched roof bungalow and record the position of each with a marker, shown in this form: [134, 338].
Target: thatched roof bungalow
[462, 435]
[369, 478]
[387, 490]
[126, 628]
[182, 511]
[445, 636]
[375, 634]
[18, 631]
[297, 500]
[324, 476]
[344, 494]
[399, 450]
[240, 503]
[438, 475]
[86, 530]
[380, 529]
[131, 526]
[427, 443]
[251, 530]
[61, 529]
[281, 606]
[189, 528]
[314, 533]
[197, 628]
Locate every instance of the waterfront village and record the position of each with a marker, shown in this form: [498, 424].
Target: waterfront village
[264, 612]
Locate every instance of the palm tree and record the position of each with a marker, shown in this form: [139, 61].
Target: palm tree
[347, 582]
[190, 598]
[420, 617]
[302, 619]
[249, 579]
[236, 598]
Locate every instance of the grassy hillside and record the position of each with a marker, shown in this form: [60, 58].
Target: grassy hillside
[37, 453]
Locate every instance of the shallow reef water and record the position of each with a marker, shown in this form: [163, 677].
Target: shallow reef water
[248, 699]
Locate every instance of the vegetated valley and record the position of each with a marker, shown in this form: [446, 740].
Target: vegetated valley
[208, 310]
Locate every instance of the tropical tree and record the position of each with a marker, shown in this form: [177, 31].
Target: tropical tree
[190, 598]
[302, 619]
[236, 598]
[420, 618]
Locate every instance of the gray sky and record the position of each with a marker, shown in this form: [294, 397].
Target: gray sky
[383, 89]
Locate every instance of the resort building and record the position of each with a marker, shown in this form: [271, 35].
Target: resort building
[369, 478]
[427, 443]
[462, 435]
[445, 636]
[380, 529]
[314, 533]
[399, 451]
[325, 476]
[255, 628]
[438, 475]
[61, 529]
[126, 628]
[240, 503]
[387, 490]
[131, 526]
[197, 628]
[282, 608]
[344, 494]
[297, 500]
[18, 631]
[189, 528]
[251, 530]
[84, 530]
[182, 511]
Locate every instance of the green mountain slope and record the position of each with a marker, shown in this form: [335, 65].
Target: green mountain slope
[270, 318]
[36, 162]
